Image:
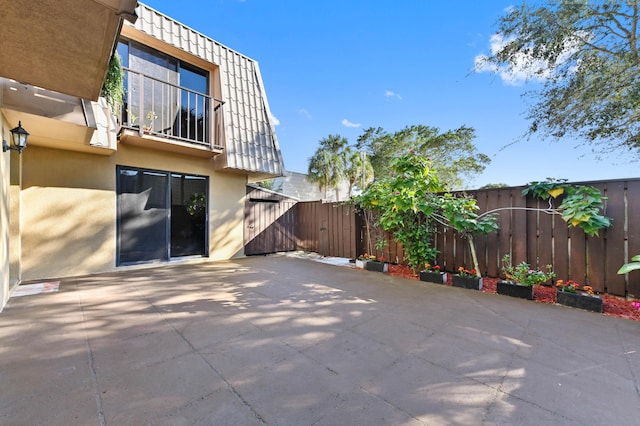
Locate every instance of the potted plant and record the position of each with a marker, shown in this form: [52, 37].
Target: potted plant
[433, 274]
[467, 278]
[570, 293]
[151, 117]
[521, 278]
[377, 264]
[361, 261]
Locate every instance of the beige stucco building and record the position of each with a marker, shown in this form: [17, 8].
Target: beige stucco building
[161, 180]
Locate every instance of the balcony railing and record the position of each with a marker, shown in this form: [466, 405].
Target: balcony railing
[160, 108]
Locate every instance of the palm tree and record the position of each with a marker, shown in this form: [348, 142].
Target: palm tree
[320, 170]
[327, 165]
[359, 171]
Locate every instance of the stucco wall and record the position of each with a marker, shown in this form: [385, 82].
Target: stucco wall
[4, 221]
[69, 208]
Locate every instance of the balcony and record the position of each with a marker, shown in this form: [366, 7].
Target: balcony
[160, 115]
[57, 120]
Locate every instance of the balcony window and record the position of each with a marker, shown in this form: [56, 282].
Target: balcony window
[167, 97]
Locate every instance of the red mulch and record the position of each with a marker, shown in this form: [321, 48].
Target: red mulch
[613, 306]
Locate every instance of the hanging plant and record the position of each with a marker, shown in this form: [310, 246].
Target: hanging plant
[113, 86]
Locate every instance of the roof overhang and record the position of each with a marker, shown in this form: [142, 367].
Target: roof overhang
[61, 45]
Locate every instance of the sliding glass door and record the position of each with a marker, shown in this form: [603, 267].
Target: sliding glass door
[161, 215]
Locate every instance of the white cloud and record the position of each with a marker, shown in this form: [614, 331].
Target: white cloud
[304, 113]
[390, 94]
[524, 68]
[347, 123]
[274, 120]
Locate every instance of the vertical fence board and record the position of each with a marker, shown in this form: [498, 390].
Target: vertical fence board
[532, 233]
[596, 255]
[448, 250]
[519, 234]
[504, 232]
[341, 243]
[481, 240]
[332, 227]
[595, 263]
[633, 235]
[577, 255]
[493, 239]
[439, 244]
[545, 241]
[614, 251]
[360, 236]
[560, 254]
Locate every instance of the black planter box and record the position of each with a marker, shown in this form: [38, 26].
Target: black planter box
[376, 266]
[515, 290]
[473, 283]
[433, 277]
[580, 301]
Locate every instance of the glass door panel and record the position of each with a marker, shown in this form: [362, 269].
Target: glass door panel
[188, 215]
[153, 101]
[142, 215]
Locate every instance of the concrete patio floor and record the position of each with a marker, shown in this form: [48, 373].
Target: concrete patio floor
[284, 341]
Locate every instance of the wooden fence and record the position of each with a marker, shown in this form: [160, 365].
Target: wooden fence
[327, 228]
[531, 236]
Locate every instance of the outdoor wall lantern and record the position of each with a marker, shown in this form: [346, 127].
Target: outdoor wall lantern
[19, 138]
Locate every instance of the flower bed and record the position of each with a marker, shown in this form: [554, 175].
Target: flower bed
[612, 306]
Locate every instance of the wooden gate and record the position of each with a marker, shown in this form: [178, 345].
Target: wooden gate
[270, 220]
[329, 229]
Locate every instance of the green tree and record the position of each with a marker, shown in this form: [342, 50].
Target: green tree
[358, 171]
[587, 55]
[327, 165]
[410, 200]
[403, 204]
[453, 152]
[494, 185]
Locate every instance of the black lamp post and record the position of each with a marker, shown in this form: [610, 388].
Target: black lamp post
[18, 137]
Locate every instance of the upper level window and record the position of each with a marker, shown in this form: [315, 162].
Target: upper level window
[165, 95]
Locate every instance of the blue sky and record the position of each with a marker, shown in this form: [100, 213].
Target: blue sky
[339, 67]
